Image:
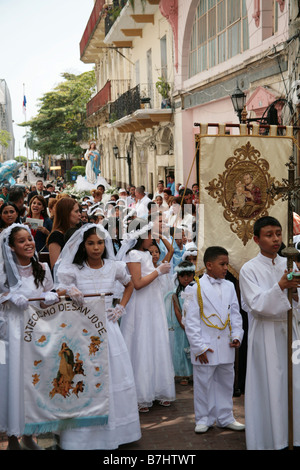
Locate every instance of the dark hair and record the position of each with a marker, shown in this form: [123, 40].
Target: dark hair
[167, 191]
[37, 268]
[6, 204]
[16, 194]
[213, 252]
[81, 255]
[154, 243]
[43, 201]
[264, 222]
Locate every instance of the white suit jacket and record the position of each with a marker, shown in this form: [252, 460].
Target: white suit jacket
[200, 336]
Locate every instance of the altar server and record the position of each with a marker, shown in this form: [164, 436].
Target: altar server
[264, 284]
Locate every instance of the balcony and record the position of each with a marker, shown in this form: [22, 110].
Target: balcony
[130, 23]
[128, 102]
[94, 33]
[129, 113]
[101, 99]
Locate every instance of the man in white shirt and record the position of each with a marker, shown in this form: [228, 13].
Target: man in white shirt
[141, 206]
[131, 198]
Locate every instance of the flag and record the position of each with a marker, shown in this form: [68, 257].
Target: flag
[24, 104]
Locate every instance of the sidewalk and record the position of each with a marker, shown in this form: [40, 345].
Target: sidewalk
[172, 428]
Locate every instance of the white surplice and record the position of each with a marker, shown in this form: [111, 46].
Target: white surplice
[266, 392]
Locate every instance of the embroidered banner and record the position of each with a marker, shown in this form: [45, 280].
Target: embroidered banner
[236, 173]
[66, 372]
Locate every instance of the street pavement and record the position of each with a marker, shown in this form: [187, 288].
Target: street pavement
[172, 429]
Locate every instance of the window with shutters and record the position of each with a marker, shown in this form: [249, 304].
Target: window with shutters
[219, 32]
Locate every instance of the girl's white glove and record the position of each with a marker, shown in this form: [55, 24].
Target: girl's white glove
[19, 300]
[164, 268]
[51, 298]
[113, 314]
[75, 295]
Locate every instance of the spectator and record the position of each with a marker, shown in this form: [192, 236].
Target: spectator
[142, 203]
[67, 215]
[4, 195]
[39, 191]
[9, 215]
[38, 210]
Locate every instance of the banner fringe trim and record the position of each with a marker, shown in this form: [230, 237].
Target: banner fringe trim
[63, 424]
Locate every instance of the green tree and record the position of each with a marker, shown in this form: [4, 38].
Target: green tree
[5, 138]
[61, 115]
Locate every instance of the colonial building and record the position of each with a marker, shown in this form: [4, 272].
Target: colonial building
[6, 122]
[132, 112]
[215, 59]
[246, 48]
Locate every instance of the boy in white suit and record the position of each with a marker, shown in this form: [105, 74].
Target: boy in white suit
[213, 325]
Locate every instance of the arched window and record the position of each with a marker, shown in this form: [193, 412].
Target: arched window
[219, 32]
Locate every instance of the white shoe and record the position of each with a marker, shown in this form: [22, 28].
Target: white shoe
[235, 426]
[201, 428]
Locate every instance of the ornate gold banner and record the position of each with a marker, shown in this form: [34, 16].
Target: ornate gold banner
[236, 172]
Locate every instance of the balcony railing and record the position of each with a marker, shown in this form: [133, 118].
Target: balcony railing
[91, 25]
[127, 104]
[99, 100]
[144, 95]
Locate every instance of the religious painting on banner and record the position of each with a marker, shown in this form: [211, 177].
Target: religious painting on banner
[66, 373]
[236, 174]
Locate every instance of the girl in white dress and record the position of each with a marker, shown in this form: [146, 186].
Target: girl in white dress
[145, 328]
[22, 277]
[87, 266]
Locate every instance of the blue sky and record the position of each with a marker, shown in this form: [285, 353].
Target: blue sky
[39, 40]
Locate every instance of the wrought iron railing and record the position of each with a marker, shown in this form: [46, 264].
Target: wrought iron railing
[126, 104]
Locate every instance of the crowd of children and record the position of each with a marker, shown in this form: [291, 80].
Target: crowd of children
[166, 322]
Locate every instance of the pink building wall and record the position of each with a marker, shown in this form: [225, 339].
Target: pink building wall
[260, 41]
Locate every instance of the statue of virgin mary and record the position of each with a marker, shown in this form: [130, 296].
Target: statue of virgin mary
[92, 171]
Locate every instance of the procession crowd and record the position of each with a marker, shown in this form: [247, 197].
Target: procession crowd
[165, 320]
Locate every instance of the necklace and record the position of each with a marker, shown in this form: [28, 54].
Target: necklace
[98, 267]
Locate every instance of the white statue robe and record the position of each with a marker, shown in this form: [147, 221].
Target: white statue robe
[266, 392]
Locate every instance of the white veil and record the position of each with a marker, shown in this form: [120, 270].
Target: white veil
[130, 239]
[70, 249]
[8, 260]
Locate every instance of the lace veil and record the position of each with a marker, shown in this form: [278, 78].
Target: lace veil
[8, 260]
[70, 249]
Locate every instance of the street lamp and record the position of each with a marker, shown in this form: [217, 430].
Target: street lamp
[116, 151]
[238, 99]
[128, 158]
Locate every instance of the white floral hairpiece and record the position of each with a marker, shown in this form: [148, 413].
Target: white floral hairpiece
[181, 269]
[189, 253]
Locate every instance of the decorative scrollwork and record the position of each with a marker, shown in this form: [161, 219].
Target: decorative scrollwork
[243, 190]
